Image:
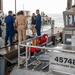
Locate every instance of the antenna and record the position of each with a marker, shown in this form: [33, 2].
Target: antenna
[23, 6]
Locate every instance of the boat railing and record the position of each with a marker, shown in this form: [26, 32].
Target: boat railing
[48, 49]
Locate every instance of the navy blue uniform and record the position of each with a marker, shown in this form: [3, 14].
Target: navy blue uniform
[38, 24]
[9, 20]
[33, 20]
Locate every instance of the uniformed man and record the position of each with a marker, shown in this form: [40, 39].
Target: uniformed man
[38, 23]
[21, 23]
[9, 20]
[33, 23]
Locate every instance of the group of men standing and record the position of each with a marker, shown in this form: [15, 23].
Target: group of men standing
[19, 23]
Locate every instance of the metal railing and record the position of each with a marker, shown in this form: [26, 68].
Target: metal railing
[24, 44]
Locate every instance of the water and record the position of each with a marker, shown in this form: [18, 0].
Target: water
[58, 19]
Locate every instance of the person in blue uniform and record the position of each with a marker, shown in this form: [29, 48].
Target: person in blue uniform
[9, 20]
[38, 23]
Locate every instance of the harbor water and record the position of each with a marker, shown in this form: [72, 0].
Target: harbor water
[58, 18]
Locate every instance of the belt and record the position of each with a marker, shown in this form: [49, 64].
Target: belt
[20, 24]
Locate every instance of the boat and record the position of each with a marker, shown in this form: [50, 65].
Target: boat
[55, 59]
[54, 53]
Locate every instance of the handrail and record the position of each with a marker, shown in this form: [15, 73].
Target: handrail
[48, 48]
[30, 39]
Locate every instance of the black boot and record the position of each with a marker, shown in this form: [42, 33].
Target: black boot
[6, 42]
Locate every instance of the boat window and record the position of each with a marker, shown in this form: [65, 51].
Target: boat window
[70, 20]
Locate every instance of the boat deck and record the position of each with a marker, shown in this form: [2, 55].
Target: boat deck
[17, 71]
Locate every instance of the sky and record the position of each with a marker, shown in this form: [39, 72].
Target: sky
[48, 6]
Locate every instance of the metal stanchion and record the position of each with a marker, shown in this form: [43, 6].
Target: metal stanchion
[26, 57]
[18, 56]
[52, 27]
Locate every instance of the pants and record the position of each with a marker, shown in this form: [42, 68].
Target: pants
[16, 35]
[38, 29]
[21, 33]
[33, 28]
[9, 34]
